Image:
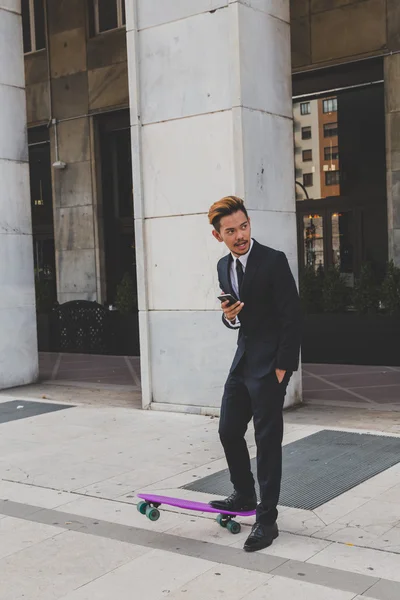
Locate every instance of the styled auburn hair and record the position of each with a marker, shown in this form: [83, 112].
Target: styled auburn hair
[224, 207]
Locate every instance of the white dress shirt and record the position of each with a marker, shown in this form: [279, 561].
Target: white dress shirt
[234, 280]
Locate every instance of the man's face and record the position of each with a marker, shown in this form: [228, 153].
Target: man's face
[235, 232]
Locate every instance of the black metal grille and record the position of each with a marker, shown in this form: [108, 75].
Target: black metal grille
[82, 326]
[23, 409]
[320, 467]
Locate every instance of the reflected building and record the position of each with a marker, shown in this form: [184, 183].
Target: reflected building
[339, 145]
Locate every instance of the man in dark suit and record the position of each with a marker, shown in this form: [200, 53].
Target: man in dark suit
[267, 316]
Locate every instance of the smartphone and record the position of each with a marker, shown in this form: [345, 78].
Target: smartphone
[225, 297]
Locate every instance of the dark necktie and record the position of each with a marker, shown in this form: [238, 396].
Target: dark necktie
[239, 272]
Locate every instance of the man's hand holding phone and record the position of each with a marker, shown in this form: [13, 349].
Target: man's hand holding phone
[230, 306]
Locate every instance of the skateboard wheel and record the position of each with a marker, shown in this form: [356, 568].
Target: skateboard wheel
[233, 527]
[152, 513]
[142, 506]
[222, 520]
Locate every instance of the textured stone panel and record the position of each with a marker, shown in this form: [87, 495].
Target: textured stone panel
[76, 271]
[70, 95]
[64, 15]
[109, 86]
[106, 50]
[68, 52]
[362, 28]
[393, 21]
[74, 140]
[183, 75]
[36, 68]
[37, 102]
[73, 186]
[300, 41]
[74, 228]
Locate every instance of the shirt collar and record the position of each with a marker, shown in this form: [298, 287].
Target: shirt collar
[245, 257]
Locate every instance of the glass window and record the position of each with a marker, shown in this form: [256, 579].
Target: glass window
[40, 32]
[26, 25]
[330, 129]
[313, 236]
[305, 108]
[33, 25]
[308, 179]
[332, 177]
[40, 184]
[330, 105]
[307, 155]
[342, 241]
[108, 14]
[346, 179]
[331, 153]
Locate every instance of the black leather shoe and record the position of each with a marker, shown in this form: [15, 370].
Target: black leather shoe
[261, 536]
[235, 503]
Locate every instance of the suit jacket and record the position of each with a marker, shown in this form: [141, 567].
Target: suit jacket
[270, 331]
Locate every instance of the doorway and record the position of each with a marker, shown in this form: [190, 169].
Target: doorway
[42, 218]
[340, 161]
[117, 200]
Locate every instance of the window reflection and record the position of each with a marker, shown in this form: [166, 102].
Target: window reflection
[317, 148]
[40, 184]
[313, 228]
[342, 243]
[330, 129]
[330, 105]
[340, 174]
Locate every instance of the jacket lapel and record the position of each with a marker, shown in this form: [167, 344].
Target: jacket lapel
[225, 276]
[252, 265]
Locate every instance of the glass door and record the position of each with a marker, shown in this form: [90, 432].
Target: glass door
[342, 243]
[327, 238]
[313, 241]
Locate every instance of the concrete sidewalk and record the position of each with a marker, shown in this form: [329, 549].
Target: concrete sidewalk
[69, 528]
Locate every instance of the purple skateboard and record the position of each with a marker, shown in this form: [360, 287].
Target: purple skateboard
[151, 502]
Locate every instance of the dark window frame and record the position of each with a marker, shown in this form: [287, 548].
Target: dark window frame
[330, 132]
[325, 105]
[303, 132]
[308, 177]
[309, 154]
[305, 108]
[95, 16]
[331, 153]
[33, 25]
[328, 175]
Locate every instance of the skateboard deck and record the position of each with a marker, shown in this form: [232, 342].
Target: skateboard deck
[151, 502]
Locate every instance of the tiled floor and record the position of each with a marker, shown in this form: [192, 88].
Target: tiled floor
[69, 528]
[119, 370]
[366, 386]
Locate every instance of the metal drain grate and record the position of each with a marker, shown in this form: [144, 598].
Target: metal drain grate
[23, 409]
[320, 467]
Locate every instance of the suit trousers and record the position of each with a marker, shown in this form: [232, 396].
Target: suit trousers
[261, 398]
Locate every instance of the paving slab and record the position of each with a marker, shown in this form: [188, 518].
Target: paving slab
[67, 542]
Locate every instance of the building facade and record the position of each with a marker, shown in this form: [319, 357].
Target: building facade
[141, 113]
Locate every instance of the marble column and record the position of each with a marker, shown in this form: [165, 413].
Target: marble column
[392, 93]
[211, 113]
[18, 338]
